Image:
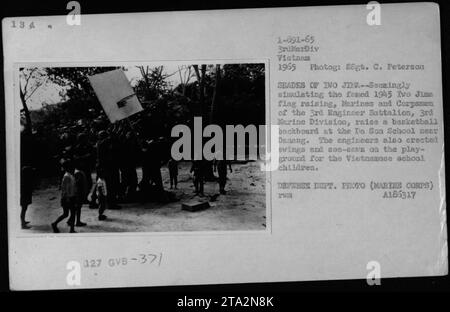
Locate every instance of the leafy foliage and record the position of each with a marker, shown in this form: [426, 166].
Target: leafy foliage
[239, 96]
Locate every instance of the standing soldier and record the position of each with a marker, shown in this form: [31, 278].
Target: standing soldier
[27, 144]
[81, 191]
[128, 163]
[83, 154]
[221, 167]
[132, 150]
[102, 194]
[105, 162]
[198, 169]
[26, 191]
[68, 197]
[114, 172]
[152, 167]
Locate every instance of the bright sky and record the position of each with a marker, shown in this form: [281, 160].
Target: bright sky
[50, 93]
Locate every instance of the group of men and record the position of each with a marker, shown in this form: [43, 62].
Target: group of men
[199, 169]
[116, 158]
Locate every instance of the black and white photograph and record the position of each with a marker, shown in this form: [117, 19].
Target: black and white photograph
[94, 163]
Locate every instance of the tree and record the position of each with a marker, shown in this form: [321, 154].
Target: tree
[243, 89]
[215, 106]
[185, 73]
[31, 79]
[153, 83]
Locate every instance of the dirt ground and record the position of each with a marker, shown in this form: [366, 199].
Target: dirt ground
[242, 208]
